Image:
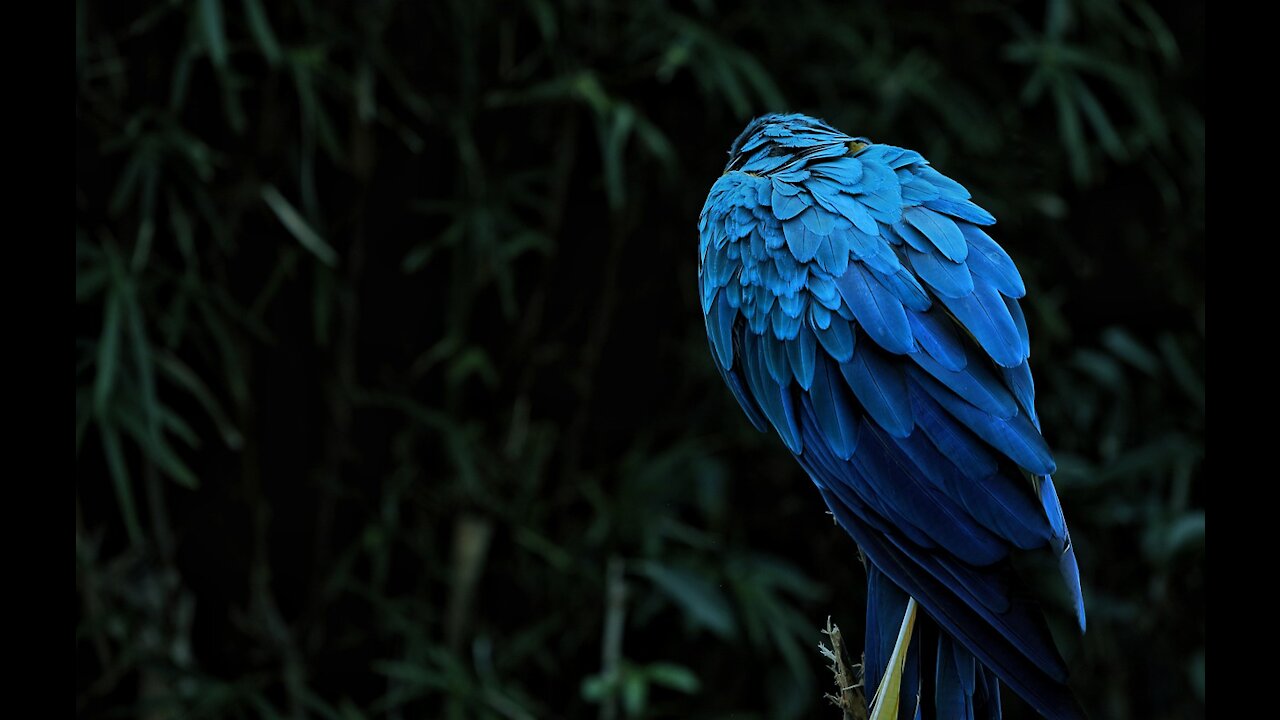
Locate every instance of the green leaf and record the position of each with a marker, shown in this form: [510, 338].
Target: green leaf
[702, 601]
[635, 693]
[182, 375]
[114, 453]
[149, 404]
[89, 282]
[296, 225]
[1123, 345]
[673, 676]
[183, 230]
[215, 36]
[596, 688]
[1184, 373]
[108, 351]
[617, 128]
[1073, 140]
[260, 28]
[1196, 671]
[1097, 117]
[1164, 38]
[471, 361]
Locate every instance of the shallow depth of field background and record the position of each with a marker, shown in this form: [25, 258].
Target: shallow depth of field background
[392, 394]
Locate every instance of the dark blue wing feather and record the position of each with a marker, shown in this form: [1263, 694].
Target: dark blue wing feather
[802, 352]
[834, 409]
[881, 386]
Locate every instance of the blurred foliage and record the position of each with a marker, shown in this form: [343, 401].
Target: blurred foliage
[392, 398]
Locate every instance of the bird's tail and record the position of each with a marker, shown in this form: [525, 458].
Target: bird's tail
[893, 664]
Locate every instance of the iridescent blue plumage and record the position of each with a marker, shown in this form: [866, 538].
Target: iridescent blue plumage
[855, 304]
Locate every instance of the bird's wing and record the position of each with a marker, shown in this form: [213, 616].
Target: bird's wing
[856, 305]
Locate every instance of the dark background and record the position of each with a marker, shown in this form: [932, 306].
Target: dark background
[392, 394]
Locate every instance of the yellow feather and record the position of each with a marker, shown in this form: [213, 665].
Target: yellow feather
[884, 706]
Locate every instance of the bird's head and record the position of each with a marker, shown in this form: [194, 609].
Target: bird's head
[771, 141]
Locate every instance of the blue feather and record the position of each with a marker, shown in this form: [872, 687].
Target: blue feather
[838, 340]
[1024, 389]
[988, 694]
[1070, 571]
[946, 185]
[818, 220]
[802, 352]
[906, 289]
[962, 209]
[985, 315]
[954, 681]
[847, 172]
[918, 193]
[775, 357]
[886, 606]
[938, 336]
[975, 383]
[793, 303]
[833, 410]
[905, 478]
[833, 253]
[884, 203]
[914, 238]
[785, 326]
[974, 459]
[848, 482]
[1019, 324]
[774, 400]
[881, 388]
[893, 476]
[786, 207]
[819, 316]
[876, 176]
[738, 387]
[1002, 505]
[823, 288]
[863, 245]
[854, 211]
[1015, 643]
[794, 176]
[940, 230]
[720, 330]
[989, 260]
[948, 279]
[877, 310]
[1016, 437]
[1067, 565]
[802, 241]
[1005, 641]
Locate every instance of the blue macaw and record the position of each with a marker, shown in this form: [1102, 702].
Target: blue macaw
[855, 304]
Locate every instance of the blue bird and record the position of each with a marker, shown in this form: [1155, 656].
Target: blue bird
[855, 303]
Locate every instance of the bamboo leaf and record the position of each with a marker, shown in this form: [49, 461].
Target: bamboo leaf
[260, 28]
[114, 453]
[297, 226]
[215, 36]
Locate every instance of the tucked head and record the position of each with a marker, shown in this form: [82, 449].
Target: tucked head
[769, 141]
